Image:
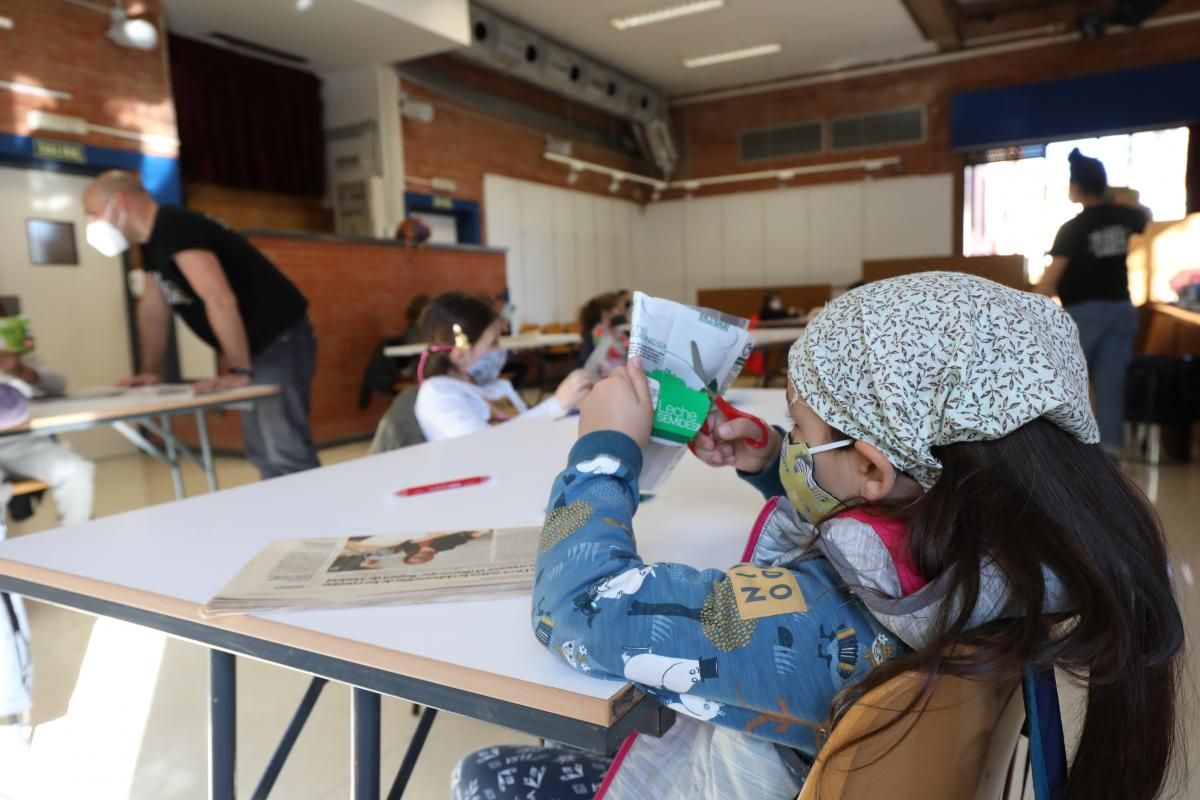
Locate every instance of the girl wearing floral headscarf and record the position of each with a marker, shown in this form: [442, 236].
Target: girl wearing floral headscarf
[940, 505]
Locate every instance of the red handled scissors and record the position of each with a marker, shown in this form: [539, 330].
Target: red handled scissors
[724, 406]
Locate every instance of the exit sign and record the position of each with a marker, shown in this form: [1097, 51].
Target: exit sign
[59, 151]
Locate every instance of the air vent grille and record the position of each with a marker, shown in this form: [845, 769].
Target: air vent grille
[781, 141]
[895, 126]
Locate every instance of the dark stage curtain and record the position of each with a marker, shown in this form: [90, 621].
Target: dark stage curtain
[246, 122]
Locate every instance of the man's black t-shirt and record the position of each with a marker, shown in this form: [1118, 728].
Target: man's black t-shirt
[1095, 243]
[268, 302]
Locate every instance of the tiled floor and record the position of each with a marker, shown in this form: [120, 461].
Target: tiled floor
[120, 712]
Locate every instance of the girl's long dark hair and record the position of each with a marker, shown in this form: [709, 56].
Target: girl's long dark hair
[1039, 497]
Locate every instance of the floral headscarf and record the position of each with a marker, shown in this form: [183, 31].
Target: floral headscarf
[932, 358]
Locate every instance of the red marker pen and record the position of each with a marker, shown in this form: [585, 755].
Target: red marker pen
[437, 487]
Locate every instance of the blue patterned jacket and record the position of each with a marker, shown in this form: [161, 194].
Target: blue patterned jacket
[759, 649]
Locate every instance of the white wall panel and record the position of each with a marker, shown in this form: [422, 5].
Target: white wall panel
[623, 213]
[786, 230]
[603, 216]
[703, 242]
[540, 277]
[502, 222]
[835, 233]
[563, 254]
[660, 252]
[743, 258]
[567, 246]
[584, 236]
[564, 246]
[908, 217]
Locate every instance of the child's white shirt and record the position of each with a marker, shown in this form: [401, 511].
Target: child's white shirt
[448, 407]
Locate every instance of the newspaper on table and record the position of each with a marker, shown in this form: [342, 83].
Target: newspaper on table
[351, 571]
[668, 336]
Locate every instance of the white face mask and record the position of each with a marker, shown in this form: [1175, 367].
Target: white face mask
[105, 236]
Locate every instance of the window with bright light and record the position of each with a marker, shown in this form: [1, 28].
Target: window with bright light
[1016, 207]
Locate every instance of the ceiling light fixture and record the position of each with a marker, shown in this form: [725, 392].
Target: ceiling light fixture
[133, 32]
[664, 14]
[732, 55]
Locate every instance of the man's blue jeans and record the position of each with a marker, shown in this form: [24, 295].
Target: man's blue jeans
[276, 433]
[1106, 332]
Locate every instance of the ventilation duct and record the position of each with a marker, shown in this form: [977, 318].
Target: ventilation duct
[501, 44]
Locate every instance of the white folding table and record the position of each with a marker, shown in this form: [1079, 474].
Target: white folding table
[775, 337]
[149, 407]
[523, 341]
[156, 566]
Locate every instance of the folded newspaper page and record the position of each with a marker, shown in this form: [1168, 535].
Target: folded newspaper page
[669, 337]
[381, 570]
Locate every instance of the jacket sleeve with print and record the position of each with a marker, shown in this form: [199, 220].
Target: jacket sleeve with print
[762, 650]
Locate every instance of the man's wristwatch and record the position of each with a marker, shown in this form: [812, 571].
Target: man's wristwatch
[240, 371]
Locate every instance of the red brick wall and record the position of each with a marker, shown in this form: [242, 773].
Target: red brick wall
[463, 144]
[709, 130]
[62, 47]
[357, 294]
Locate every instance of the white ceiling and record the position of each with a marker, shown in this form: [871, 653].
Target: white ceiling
[331, 34]
[816, 35]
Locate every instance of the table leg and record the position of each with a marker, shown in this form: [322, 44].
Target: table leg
[364, 745]
[222, 725]
[172, 456]
[412, 754]
[263, 791]
[206, 455]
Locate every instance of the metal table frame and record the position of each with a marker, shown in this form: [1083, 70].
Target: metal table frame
[132, 425]
[643, 715]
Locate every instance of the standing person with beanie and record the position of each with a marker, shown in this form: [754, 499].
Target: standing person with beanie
[231, 296]
[1089, 274]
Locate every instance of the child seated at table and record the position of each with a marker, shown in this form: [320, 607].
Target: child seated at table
[940, 505]
[607, 344]
[461, 388]
[71, 477]
[774, 309]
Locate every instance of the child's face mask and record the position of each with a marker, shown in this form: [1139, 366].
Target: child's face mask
[800, 481]
[488, 367]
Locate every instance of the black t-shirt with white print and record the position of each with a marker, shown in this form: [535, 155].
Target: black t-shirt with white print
[268, 302]
[1095, 243]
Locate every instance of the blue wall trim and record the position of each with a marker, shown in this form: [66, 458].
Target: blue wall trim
[1150, 97]
[466, 213]
[160, 174]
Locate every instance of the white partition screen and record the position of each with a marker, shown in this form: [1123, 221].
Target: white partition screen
[565, 246]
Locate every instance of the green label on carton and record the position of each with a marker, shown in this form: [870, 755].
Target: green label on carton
[679, 410]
